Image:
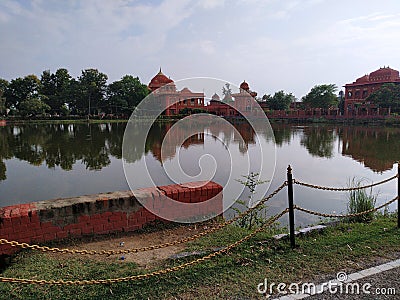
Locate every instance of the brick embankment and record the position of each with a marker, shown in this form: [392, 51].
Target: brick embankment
[102, 213]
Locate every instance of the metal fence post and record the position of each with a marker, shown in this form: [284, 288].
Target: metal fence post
[398, 195]
[291, 208]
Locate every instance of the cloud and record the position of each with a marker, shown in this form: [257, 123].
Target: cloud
[88, 32]
[210, 4]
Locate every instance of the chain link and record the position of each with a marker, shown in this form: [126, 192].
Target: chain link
[312, 212]
[325, 188]
[147, 275]
[148, 248]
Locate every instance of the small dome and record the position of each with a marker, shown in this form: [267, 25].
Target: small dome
[244, 85]
[186, 91]
[215, 97]
[159, 80]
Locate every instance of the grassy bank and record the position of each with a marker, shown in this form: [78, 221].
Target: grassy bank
[388, 121]
[66, 121]
[346, 247]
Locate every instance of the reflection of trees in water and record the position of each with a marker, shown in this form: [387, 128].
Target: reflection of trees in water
[2, 171]
[243, 136]
[282, 134]
[318, 140]
[61, 145]
[377, 148]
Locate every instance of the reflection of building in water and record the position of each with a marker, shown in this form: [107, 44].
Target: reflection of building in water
[177, 102]
[170, 142]
[180, 137]
[164, 92]
[370, 146]
[246, 136]
[357, 92]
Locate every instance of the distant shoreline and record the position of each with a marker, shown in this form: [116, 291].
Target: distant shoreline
[387, 121]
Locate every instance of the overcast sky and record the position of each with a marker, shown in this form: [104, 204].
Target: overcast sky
[272, 44]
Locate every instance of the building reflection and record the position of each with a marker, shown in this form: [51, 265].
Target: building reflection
[93, 145]
[241, 134]
[376, 148]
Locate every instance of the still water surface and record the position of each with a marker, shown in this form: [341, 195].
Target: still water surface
[40, 162]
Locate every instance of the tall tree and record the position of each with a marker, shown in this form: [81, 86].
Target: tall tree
[3, 86]
[56, 88]
[321, 96]
[279, 101]
[387, 96]
[21, 89]
[92, 88]
[124, 95]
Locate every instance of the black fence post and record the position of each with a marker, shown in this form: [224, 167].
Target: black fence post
[398, 195]
[291, 208]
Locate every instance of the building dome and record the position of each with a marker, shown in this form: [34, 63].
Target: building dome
[158, 81]
[244, 86]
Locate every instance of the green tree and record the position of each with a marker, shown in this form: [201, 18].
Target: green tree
[21, 89]
[33, 106]
[56, 88]
[91, 91]
[124, 95]
[321, 96]
[387, 96]
[279, 101]
[3, 86]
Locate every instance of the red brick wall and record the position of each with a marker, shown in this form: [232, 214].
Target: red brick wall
[97, 214]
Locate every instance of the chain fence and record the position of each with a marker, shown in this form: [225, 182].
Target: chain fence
[186, 265]
[147, 248]
[312, 212]
[325, 188]
[151, 274]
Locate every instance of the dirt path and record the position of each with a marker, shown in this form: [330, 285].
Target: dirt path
[137, 240]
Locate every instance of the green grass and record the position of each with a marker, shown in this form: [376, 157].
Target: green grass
[236, 274]
[66, 121]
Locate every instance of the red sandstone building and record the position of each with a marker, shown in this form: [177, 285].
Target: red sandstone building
[165, 92]
[176, 102]
[355, 102]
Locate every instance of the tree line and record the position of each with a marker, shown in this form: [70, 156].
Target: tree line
[60, 94]
[320, 96]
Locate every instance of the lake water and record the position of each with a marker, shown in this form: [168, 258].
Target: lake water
[40, 162]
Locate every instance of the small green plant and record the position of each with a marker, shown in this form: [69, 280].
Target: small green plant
[254, 218]
[360, 201]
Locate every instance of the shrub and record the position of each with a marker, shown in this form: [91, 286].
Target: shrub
[360, 201]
